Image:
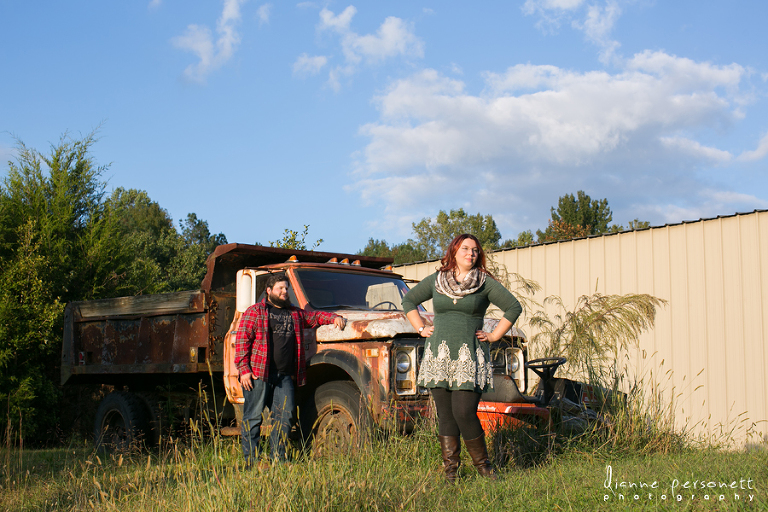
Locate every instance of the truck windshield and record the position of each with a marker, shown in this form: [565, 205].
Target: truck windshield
[347, 290]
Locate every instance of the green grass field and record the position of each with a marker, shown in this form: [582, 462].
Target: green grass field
[391, 472]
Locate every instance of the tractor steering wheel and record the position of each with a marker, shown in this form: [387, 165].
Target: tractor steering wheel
[545, 367]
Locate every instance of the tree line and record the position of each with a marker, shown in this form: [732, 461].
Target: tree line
[64, 238]
[575, 217]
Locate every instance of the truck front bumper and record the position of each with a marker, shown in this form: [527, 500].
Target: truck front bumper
[494, 415]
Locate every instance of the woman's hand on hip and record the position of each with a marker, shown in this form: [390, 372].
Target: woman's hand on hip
[485, 336]
[427, 331]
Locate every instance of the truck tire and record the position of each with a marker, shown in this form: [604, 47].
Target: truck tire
[339, 420]
[158, 422]
[121, 422]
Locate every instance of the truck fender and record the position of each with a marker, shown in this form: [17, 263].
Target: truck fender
[361, 375]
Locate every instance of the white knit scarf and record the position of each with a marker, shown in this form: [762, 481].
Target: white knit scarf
[446, 283]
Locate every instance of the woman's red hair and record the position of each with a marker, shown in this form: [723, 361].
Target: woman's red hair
[449, 260]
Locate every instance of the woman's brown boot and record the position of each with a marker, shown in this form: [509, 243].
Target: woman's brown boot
[451, 448]
[479, 453]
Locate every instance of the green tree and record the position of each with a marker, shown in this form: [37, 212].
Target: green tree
[636, 224]
[432, 236]
[581, 211]
[159, 259]
[30, 341]
[295, 240]
[560, 230]
[56, 245]
[376, 248]
[401, 253]
[523, 239]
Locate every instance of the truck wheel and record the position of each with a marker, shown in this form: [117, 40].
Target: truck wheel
[158, 424]
[341, 419]
[121, 422]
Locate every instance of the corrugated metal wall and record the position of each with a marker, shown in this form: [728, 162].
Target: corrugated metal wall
[709, 348]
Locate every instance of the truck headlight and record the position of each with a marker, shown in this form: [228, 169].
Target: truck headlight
[513, 361]
[403, 362]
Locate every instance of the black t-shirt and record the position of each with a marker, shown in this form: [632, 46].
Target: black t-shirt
[282, 350]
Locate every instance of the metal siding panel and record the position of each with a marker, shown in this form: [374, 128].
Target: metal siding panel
[686, 328]
[581, 268]
[728, 339]
[752, 282]
[596, 266]
[644, 283]
[762, 269]
[612, 265]
[662, 288]
[711, 293]
[552, 269]
[565, 274]
[629, 255]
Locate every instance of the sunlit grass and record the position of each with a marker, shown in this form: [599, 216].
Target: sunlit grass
[390, 472]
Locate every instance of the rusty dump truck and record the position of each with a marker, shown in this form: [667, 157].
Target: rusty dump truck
[155, 352]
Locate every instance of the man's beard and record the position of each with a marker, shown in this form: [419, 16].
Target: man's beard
[277, 301]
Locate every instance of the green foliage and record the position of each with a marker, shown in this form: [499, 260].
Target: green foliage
[62, 240]
[560, 230]
[591, 214]
[159, 259]
[400, 253]
[295, 240]
[30, 315]
[433, 236]
[580, 216]
[636, 224]
[523, 239]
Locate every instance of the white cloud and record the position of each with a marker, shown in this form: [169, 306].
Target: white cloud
[306, 65]
[696, 150]
[708, 203]
[537, 132]
[543, 6]
[340, 22]
[154, 4]
[263, 12]
[596, 20]
[758, 154]
[394, 38]
[598, 26]
[199, 40]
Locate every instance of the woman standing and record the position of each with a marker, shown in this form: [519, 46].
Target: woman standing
[456, 365]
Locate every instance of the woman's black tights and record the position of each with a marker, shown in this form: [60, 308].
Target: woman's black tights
[457, 413]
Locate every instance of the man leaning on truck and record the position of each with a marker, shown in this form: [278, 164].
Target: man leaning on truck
[269, 354]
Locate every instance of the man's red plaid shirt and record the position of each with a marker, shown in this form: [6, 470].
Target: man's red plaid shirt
[252, 339]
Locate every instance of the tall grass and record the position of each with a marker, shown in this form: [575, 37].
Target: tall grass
[391, 472]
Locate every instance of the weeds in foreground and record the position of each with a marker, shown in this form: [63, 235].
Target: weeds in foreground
[395, 473]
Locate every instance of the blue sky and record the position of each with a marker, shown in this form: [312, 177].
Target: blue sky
[361, 118]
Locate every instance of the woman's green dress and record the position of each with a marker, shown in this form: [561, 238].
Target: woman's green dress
[454, 358]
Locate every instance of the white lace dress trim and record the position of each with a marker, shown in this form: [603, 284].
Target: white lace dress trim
[455, 371]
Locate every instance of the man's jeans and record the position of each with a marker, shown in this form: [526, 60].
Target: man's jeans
[277, 394]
